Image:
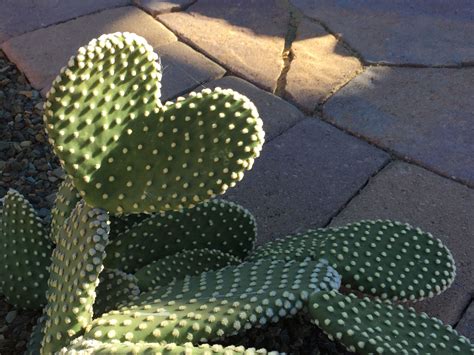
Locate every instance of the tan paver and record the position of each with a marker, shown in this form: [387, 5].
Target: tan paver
[321, 65]
[410, 194]
[245, 36]
[155, 7]
[277, 114]
[20, 16]
[42, 53]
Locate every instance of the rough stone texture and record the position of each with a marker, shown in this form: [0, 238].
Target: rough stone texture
[435, 32]
[42, 53]
[156, 7]
[466, 324]
[304, 177]
[411, 194]
[20, 16]
[320, 66]
[425, 115]
[245, 36]
[185, 69]
[277, 114]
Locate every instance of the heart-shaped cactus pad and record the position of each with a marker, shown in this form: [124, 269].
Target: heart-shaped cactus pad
[126, 151]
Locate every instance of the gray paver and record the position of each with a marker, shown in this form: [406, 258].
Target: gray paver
[303, 177]
[426, 115]
[413, 195]
[20, 16]
[156, 7]
[246, 36]
[277, 114]
[434, 32]
[42, 53]
[185, 69]
[320, 66]
[466, 324]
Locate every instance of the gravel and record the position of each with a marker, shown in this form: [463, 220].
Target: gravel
[28, 165]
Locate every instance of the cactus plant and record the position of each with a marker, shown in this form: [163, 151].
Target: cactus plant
[140, 176]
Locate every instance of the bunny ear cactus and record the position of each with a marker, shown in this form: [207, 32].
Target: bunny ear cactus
[374, 327]
[133, 154]
[25, 252]
[386, 259]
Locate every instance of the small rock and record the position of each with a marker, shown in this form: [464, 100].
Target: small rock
[51, 198]
[39, 106]
[25, 144]
[10, 317]
[52, 178]
[43, 212]
[58, 172]
[3, 329]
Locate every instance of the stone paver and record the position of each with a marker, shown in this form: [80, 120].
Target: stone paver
[277, 114]
[42, 53]
[434, 32]
[320, 66]
[185, 69]
[466, 324]
[426, 115]
[20, 16]
[304, 177]
[246, 36]
[156, 7]
[411, 194]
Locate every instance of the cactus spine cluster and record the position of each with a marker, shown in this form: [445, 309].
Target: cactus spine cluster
[138, 259]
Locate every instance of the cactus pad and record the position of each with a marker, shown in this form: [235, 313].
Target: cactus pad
[216, 303]
[66, 199]
[34, 343]
[128, 153]
[121, 223]
[25, 253]
[216, 224]
[77, 262]
[115, 287]
[182, 264]
[81, 346]
[374, 327]
[387, 259]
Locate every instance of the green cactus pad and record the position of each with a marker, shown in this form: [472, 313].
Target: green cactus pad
[77, 262]
[386, 259]
[36, 337]
[115, 287]
[81, 346]
[216, 224]
[216, 303]
[25, 253]
[182, 264]
[121, 223]
[66, 200]
[128, 153]
[374, 327]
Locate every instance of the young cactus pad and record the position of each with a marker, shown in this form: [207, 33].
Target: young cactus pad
[81, 346]
[390, 260]
[216, 224]
[128, 153]
[25, 253]
[374, 327]
[182, 264]
[216, 303]
[74, 275]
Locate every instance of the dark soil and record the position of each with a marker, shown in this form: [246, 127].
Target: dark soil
[28, 165]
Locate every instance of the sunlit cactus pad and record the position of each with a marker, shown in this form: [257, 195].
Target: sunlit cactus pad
[387, 259]
[25, 253]
[128, 153]
[82, 346]
[217, 303]
[372, 327]
[216, 224]
[74, 275]
[182, 264]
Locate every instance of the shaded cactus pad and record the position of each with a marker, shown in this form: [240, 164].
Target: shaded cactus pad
[128, 153]
[373, 327]
[216, 224]
[25, 253]
[390, 260]
[216, 303]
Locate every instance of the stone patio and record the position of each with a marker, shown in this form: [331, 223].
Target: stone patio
[368, 105]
